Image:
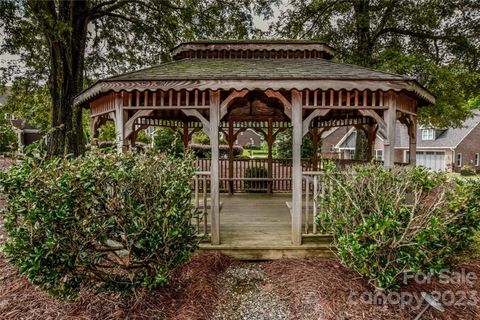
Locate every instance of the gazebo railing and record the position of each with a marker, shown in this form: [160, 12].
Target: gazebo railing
[315, 187]
[259, 178]
[201, 187]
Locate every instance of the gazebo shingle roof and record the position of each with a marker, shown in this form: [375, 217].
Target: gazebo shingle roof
[205, 65]
[256, 69]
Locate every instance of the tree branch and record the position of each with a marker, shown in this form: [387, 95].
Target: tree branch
[386, 16]
[318, 15]
[420, 34]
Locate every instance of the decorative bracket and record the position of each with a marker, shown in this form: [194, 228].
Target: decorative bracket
[199, 116]
[311, 116]
[226, 102]
[286, 104]
[129, 125]
[382, 126]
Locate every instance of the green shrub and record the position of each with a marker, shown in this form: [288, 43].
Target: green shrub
[467, 170]
[8, 137]
[204, 150]
[103, 221]
[256, 186]
[386, 222]
[166, 140]
[283, 146]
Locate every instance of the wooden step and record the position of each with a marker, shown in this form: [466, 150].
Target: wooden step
[271, 252]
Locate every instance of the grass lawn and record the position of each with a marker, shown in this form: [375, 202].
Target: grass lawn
[458, 175]
[255, 154]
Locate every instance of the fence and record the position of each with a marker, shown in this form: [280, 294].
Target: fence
[253, 175]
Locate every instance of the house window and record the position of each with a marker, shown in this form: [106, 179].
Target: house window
[428, 134]
[459, 160]
[350, 154]
[477, 159]
[379, 154]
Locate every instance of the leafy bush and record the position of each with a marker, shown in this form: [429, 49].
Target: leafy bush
[467, 170]
[386, 222]
[166, 140]
[283, 146]
[103, 221]
[204, 151]
[8, 137]
[256, 186]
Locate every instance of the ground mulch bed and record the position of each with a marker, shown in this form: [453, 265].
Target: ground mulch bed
[317, 288]
[213, 286]
[191, 295]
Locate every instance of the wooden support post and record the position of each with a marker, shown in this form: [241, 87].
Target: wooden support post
[297, 123]
[315, 137]
[390, 117]
[94, 124]
[371, 135]
[412, 133]
[133, 139]
[214, 170]
[185, 135]
[119, 124]
[270, 139]
[231, 140]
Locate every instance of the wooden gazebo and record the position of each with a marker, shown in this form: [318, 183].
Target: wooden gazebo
[228, 86]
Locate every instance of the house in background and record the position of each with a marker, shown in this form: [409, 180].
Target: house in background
[437, 149]
[26, 134]
[249, 137]
[342, 144]
[447, 149]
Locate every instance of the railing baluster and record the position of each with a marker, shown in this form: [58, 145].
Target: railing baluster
[307, 193]
[205, 207]
[197, 202]
[315, 198]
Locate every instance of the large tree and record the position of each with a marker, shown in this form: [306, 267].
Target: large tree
[436, 41]
[64, 45]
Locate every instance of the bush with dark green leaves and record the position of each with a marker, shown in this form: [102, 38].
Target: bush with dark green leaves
[102, 221]
[8, 137]
[166, 140]
[387, 222]
[467, 170]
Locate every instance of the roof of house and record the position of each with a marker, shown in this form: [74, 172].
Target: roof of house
[448, 138]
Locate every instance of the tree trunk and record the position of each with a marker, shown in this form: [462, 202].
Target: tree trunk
[67, 49]
[364, 57]
[364, 50]
[361, 145]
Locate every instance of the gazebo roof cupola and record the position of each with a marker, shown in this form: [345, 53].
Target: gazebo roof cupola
[253, 49]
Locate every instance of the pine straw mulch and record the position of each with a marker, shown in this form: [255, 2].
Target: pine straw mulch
[316, 288]
[191, 295]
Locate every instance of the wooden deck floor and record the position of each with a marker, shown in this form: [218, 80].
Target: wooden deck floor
[258, 226]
